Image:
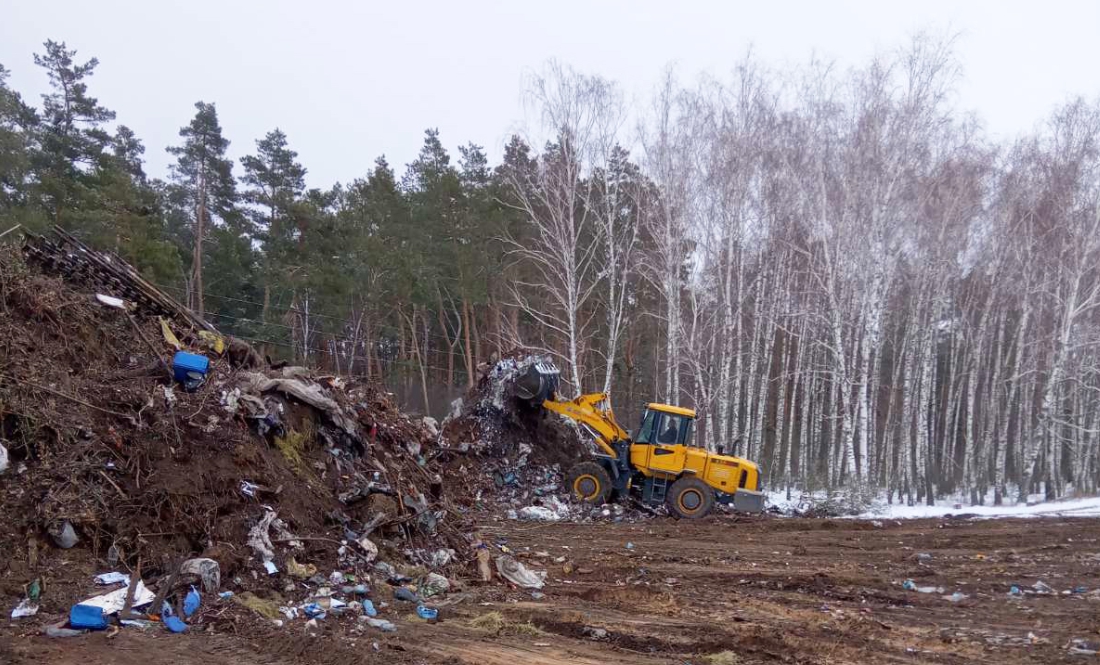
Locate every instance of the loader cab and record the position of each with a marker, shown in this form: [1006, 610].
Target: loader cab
[666, 425]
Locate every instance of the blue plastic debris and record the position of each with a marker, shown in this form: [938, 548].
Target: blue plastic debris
[225, 595]
[87, 616]
[314, 611]
[174, 624]
[191, 602]
[368, 607]
[1081, 589]
[405, 594]
[357, 590]
[1015, 591]
[189, 369]
[909, 585]
[427, 613]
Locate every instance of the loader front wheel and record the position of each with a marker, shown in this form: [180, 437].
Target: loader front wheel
[589, 483]
[690, 498]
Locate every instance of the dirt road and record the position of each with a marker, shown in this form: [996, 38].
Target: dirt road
[721, 591]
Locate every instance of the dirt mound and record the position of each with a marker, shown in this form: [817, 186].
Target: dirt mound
[110, 456]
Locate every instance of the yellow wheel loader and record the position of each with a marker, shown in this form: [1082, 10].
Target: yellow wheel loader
[660, 464]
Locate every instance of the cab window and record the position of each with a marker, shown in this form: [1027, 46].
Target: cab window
[669, 432]
[649, 426]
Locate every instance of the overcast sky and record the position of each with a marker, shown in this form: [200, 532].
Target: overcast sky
[350, 80]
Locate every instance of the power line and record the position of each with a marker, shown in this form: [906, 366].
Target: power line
[390, 329]
[326, 351]
[444, 351]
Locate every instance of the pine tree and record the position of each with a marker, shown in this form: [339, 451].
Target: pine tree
[128, 150]
[276, 181]
[72, 135]
[18, 123]
[208, 188]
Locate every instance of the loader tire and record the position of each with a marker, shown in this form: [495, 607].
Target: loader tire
[589, 483]
[690, 498]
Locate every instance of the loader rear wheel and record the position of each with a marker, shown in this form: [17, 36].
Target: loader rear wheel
[589, 483]
[690, 498]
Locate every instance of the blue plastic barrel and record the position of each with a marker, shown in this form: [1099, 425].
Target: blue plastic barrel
[189, 367]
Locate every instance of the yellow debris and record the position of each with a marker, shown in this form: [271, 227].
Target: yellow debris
[169, 336]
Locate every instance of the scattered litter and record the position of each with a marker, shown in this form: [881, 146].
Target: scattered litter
[380, 624]
[25, 608]
[1015, 591]
[300, 570]
[538, 513]
[357, 590]
[111, 301]
[924, 557]
[3, 459]
[269, 566]
[595, 633]
[313, 611]
[174, 624]
[143, 624]
[248, 488]
[433, 585]
[910, 585]
[368, 607]
[89, 617]
[630, 546]
[369, 548]
[259, 538]
[191, 602]
[405, 594]
[64, 536]
[105, 579]
[225, 595]
[483, 568]
[537, 595]
[207, 570]
[1080, 647]
[518, 574]
[956, 597]
[189, 369]
[427, 613]
[58, 630]
[114, 601]
[442, 557]
[289, 612]
[1042, 588]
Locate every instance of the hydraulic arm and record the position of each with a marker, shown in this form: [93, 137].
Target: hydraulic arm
[593, 411]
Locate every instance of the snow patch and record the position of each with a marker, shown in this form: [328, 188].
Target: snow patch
[1088, 507]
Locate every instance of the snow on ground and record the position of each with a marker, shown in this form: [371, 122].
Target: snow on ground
[1088, 507]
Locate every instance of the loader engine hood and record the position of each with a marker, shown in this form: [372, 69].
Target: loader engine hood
[748, 473]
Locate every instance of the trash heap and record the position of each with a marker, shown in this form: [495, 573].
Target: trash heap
[135, 437]
[511, 454]
[508, 451]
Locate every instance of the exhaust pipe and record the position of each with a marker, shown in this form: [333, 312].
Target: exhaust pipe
[539, 383]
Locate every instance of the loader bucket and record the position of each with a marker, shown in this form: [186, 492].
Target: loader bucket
[538, 383]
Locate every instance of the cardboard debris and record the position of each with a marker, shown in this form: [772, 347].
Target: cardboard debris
[114, 601]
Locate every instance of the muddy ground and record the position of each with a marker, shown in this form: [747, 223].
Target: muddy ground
[724, 590]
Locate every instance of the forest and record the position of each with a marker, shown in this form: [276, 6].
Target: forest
[838, 268]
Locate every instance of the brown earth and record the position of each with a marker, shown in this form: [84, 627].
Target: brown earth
[724, 590]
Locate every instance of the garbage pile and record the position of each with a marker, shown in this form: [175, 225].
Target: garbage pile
[511, 454]
[505, 449]
[136, 438]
